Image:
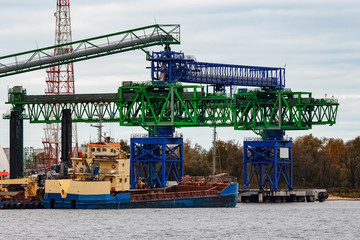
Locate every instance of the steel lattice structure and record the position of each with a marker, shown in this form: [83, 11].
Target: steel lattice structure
[152, 106]
[138, 38]
[282, 110]
[50, 112]
[269, 161]
[164, 107]
[172, 105]
[60, 80]
[164, 104]
[175, 67]
[156, 159]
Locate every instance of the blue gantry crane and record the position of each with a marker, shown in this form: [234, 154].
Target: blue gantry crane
[169, 67]
[268, 159]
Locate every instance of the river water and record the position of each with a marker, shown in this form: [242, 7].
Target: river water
[327, 220]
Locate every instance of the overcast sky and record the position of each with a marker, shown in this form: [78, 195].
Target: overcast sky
[318, 41]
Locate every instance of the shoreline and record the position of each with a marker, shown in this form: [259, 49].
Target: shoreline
[338, 198]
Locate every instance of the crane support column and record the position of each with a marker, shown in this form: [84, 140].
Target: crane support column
[270, 160]
[66, 141]
[16, 145]
[156, 158]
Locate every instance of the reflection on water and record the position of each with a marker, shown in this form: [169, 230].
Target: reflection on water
[328, 220]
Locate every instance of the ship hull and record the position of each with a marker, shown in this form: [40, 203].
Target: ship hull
[227, 198]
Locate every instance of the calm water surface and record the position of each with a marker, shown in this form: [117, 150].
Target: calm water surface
[328, 220]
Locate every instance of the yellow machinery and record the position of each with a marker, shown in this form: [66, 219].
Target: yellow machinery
[29, 186]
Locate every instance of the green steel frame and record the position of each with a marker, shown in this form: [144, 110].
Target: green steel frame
[138, 38]
[172, 105]
[84, 107]
[282, 110]
[153, 106]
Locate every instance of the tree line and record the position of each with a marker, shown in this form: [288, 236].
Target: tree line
[317, 163]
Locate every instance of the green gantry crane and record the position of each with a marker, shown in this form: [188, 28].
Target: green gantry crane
[164, 104]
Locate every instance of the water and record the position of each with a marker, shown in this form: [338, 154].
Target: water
[328, 220]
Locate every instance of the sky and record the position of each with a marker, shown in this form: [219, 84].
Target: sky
[317, 41]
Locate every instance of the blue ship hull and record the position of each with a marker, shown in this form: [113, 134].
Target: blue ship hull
[22, 205]
[227, 198]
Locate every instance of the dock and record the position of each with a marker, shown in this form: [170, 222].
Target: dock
[282, 196]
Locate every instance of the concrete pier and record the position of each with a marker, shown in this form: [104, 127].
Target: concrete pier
[282, 196]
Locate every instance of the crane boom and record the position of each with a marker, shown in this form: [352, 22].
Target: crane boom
[176, 67]
[138, 38]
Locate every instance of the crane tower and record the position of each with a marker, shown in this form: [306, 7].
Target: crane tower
[60, 80]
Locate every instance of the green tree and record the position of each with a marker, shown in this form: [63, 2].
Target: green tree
[195, 161]
[306, 167]
[352, 162]
[125, 145]
[332, 170]
[229, 157]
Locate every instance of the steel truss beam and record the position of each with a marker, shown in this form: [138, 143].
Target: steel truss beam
[48, 108]
[282, 110]
[152, 106]
[175, 67]
[172, 105]
[138, 38]
[168, 106]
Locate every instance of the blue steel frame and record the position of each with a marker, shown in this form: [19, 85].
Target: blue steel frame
[157, 160]
[262, 159]
[176, 67]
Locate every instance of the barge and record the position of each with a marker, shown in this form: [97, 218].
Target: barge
[70, 194]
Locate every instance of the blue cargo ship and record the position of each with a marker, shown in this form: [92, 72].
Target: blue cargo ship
[89, 195]
[100, 179]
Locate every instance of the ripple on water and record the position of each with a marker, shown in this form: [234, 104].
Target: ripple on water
[328, 220]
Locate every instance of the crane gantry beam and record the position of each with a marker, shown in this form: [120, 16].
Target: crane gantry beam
[152, 106]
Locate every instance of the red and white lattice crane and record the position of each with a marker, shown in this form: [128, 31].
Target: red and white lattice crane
[60, 80]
